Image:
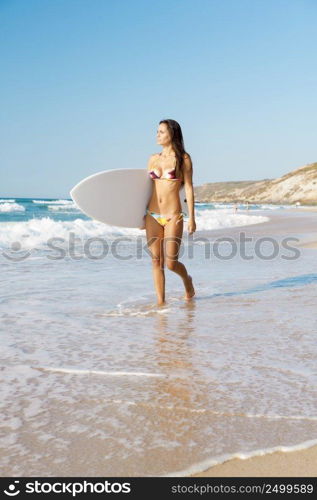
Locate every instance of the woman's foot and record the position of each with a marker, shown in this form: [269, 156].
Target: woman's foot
[161, 303]
[190, 290]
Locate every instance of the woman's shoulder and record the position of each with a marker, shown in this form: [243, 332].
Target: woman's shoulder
[154, 156]
[152, 159]
[187, 160]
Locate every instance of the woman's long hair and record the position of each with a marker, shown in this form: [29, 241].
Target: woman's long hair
[177, 144]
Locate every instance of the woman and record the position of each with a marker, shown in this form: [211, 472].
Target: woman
[163, 220]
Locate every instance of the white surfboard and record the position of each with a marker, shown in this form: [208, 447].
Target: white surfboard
[117, 197]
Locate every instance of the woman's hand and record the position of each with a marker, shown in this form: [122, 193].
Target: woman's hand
[191, 226]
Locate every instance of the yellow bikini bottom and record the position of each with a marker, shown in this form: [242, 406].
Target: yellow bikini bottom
[164, 219]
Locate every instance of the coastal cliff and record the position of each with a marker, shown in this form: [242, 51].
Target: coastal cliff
[298, 186]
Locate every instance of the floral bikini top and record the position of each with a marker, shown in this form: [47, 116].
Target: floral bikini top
[170, 175]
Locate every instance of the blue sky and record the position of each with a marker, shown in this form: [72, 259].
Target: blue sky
[84, 84]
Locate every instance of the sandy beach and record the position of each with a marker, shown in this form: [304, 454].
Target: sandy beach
[220, 387]
[297, 222]
[308, 244]
[187, 348]
[302, 463]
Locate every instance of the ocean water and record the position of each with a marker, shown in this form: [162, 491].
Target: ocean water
[97, 380]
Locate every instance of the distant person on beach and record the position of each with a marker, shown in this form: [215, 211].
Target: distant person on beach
[247, 205]
[235, 208]
[163, 220]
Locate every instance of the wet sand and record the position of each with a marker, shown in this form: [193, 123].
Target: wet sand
[56, 423]
[299, 463]
[298, 223]
[302, 463]
[308, 244]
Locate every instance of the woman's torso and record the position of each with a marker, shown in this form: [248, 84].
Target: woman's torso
[165, 194]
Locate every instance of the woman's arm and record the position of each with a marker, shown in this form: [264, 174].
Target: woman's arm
[189, 191]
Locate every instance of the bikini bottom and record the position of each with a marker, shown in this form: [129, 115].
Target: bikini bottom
[164, 219]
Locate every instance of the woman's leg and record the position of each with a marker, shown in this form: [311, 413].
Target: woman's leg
[154, 235]
[173, 232]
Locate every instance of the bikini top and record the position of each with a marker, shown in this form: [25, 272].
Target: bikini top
[170, 175]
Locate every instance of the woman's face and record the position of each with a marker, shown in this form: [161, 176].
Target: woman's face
[163, 136]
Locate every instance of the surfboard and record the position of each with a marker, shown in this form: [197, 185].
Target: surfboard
[117, 197]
